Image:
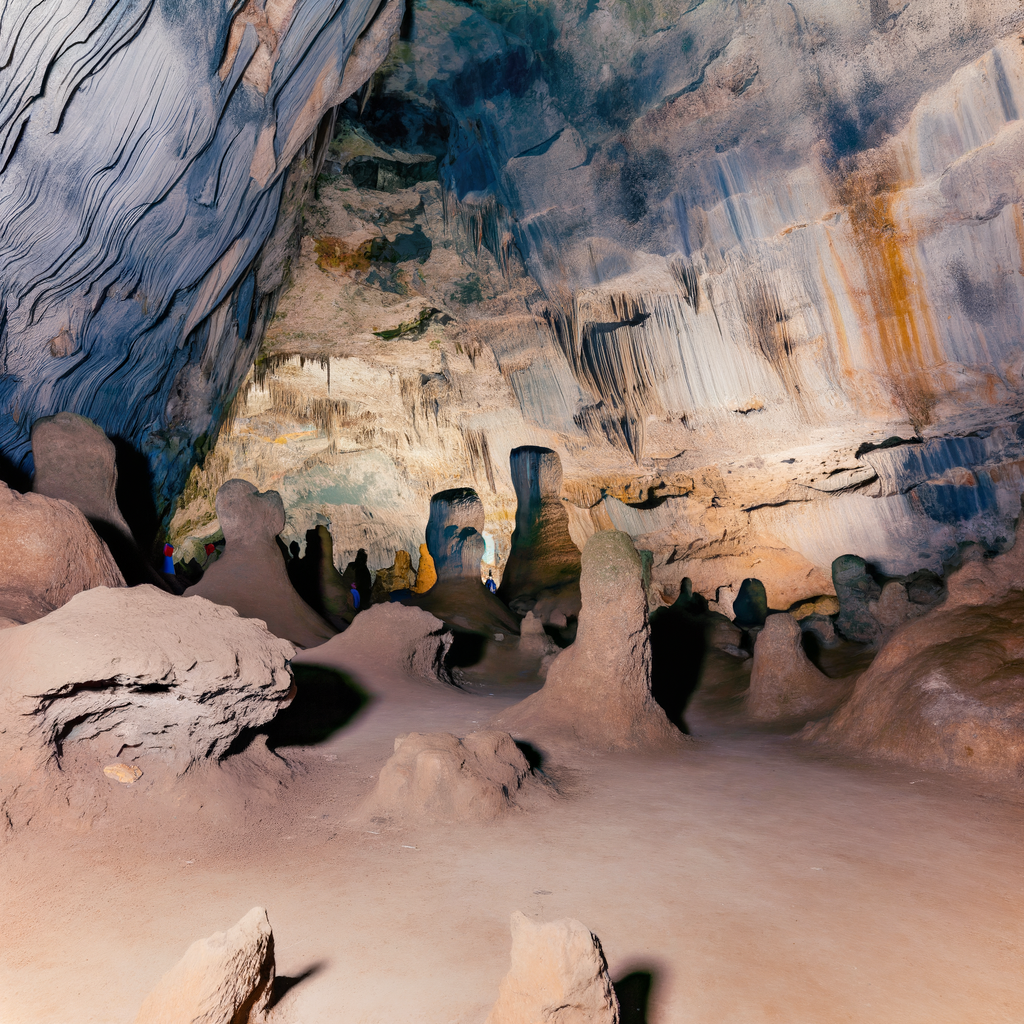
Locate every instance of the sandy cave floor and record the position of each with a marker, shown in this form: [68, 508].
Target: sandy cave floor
[749, 879]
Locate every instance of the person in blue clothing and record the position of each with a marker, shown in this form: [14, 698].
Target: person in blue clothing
[354, 591]
[490, 584]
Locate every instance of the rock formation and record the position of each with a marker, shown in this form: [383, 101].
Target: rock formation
[225, 979]
[456, 546]
[393, 638]
[558, 976]
[137, 673]
[598, 691]
[784, 683]
[335, 602]
[439, 777]
[751, 605]
[398, 576]
[856, 589]
[426, 574]
[75, 461]
[48, 553]
[250, 576]
[544, 561]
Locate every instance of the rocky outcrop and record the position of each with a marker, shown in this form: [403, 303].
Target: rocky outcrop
[132, 672]
[251, 576]
[225, 979]
[558, 976]
[785, 685]
[441, 778]
[544, 562]
[598, 691]
[393, 638]
[48, 553]
[856, 590]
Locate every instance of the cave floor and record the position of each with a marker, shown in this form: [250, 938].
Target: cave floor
[750, 878]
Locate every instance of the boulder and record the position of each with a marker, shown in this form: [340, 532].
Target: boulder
[784, 683]
[751, 605]
[441, 778]
[598, 691]
[393, 638]
[856, 588]
[251, 576]
[75, 461]
[945, 691]
[558, 976]
[135, 674]
[544, 561]
[48, 553]
[225, 979]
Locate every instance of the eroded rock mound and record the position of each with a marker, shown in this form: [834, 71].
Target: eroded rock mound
[544, 564]
[946, 691]
[784, 683]
[439, 777]
[48, 553]
[393, 638]
[134, 674]
[225, 979]
[558, 976]
[856, 590]
[598, 691]
[251, 576]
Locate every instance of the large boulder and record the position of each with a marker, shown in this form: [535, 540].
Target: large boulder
[392, 638]
[251, 576]
[225, 979]
[439, 777]
[598, 691]
[544, 561]
[75, 461]
[784, 683]
[48, 553]
[558, 976]
[164, 681]
[945, 691]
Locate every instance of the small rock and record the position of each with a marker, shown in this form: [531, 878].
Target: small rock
[558, 976]
[125, 773]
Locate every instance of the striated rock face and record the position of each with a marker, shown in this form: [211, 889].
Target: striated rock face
[438, 777]
[558, 976]
[251, 576]
[784, 683]
[136, 673]
[225, 979]
[455, 534]
[48, 553]
[598, 691]
[147, 151]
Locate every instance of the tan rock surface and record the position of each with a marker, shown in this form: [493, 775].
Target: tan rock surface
[558, 976]
[227, 978]
[48, 553]
[598, 691]
[251, 576]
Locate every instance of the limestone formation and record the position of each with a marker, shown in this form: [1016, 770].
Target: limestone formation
[856, 589]
[426, 574]
[751, 605]
[598, 691]
[784, 683]
[398, 576]
[441, 778]
[48, 553]
[335, 601]
[535, 642]
[75, 461]
[894, 607]
[393, 638]
[944, 691]
[251, 576]
[558, 976]
[544, 564]
[133, 673]
[227, 978]
[455, 534]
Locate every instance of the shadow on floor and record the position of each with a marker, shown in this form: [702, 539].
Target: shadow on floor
[283, 985]
[634, 992]
[326, 701]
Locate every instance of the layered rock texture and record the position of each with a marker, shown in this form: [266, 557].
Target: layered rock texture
[225, 979]
[558, 976]
[136, 673]
[753, 274]
[597, 694]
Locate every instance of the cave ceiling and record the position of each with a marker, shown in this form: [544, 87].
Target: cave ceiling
[754, 270]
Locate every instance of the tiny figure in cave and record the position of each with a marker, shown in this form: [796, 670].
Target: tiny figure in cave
[169, 559]
[354, 594]
[490, 584]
